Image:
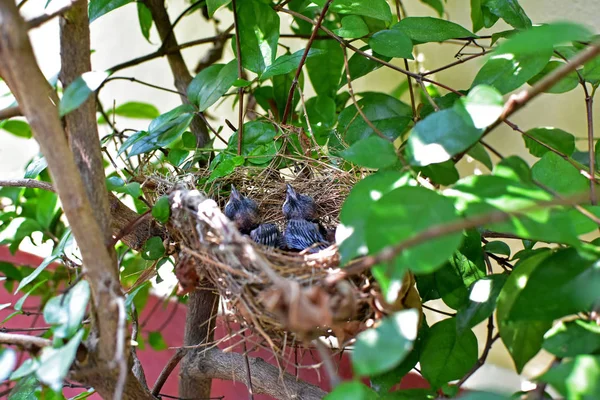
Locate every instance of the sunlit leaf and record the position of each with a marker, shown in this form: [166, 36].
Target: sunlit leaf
[80, 90]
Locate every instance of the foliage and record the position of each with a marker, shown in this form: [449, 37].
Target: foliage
[413, 209]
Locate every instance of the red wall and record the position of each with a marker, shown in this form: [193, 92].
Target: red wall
[171, 317]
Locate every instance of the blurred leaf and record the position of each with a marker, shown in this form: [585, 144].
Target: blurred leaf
[156, 341]
[25, 227]
[484, 104]
[510, 11]
[145, 19]
[479, 153]
[392, 221]
[446, 354]
[559, 175]
[371, 152]
[565, 275]
[211, 83]
[137, 110]
[359, 65]
[353, 27]
[46, 208]
[258, 145]
[380, 349]
[471, 395]
[98, 8]
[350, 235]
[552, 137]
[497, 247]
[544, 37]
[35, 167]
[214, 5]
[153, 248]
[571, 338]
[176, 157]
[80, 89]
[16, 127]
[226, 167]
[259, 33]
[56, 362]
[288, 63]
[577, 378]
[591, 71]
[162, 209]
[428, 29]
[437, 5]
[21, 301]
[392, 43]
[444, 173]
[8, 362]
[65, 312]
[523, 339]
[566, 84]
[129, 300]
[509, 71]
[353, 390]
[134, 189]
[389, 115]
[25, 388]
[378, 9]
[440, 136]
[482, 301]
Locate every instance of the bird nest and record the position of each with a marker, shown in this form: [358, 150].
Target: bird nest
[278, 295]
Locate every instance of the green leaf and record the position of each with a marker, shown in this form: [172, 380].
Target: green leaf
[566, 275]
[79, 90]
[446, 354]
[98, 8]
[28, 367]
[21, 301]
[428, 29]
[145, 19]
[35, 168]
[153, 248]
[440, 136]
[479, 153]
[162, 210]
[258, 144]
[45, 208]
[55, 363]
[8, 362]
[17, 127]
[371, 152]
[353, 27]
[523, 339]
[471, 395]
[65, 312]
[288, 63]
[389, 115]
[25, 389]
[543, 37]
[591, 71]
[350, 235]
[578, 378]
[552, 137]
[572, 338]
[437, 5]
[25, 227]
[156, 341]
[211, 83]
[497, 247]
[380, 349]
[510, 11]
[509, 71]
[482, 301]
[359, 66]
[378, 9]
[444, 173]
[129, 300]
[559, 175]
[138, 110]
[325, 69]
[281, 89]
[392, 43]
[484, 104]
[214, 5]
[321, 113]
[392, 221]
[134, 189]
[566, 84]
[259, 33]
[226, 167]
[351, 391]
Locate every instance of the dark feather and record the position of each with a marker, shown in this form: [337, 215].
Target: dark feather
[301, 234]
[242, 211]
[267, 235]
[299, 206]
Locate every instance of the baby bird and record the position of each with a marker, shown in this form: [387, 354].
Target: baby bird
[244, 214]
[301, 231]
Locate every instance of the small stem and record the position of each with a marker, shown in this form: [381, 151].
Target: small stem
[488, 345]
[589, 102]
[238, 48]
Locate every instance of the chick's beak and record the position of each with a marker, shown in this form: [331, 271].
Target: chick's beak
[235, 195]
[290, 192]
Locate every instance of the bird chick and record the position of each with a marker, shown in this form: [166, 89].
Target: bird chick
[301, 234]
[298, 206]
[243, 211]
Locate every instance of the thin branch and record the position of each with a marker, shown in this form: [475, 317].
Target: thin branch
[238, 48]
[10, 112]
[167, 370]
[290, 98]
[438, 311]
[486, 350]
[325, 355]
[455, 63]
[390, 252]
[42, 19]
[27, 183]
[135, 80]
[589, 103]
[30, 343]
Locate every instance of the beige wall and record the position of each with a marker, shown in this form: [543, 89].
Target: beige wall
[563, 111]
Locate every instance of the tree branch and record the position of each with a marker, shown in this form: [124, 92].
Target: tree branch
[28, 183]
[266, 378]
[30, 343]
[10, 112]
[42, 19]
[180, 71]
